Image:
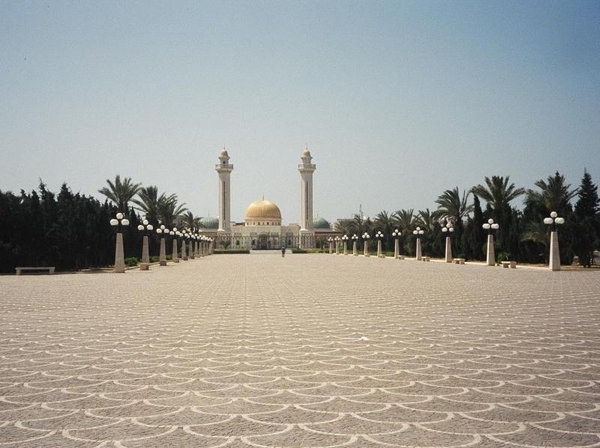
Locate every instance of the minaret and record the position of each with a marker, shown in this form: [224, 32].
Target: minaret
[224, 168]
[306, 195]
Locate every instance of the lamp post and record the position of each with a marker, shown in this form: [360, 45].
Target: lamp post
[330, 239]
[418, 232]
[490, 226]
[366, 237]
[145, 227]
[117, 222]
[183, 235]
[191, 254]
[448, 229]
[337, 245]
[396, 234]
[195, 245]
[345, 240]
[553, 220]
[204, 245]
[379, 235]
[174, 234]
[354, 243]
[162, 257]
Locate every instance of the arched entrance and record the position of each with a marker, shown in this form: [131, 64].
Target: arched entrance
[263, 241]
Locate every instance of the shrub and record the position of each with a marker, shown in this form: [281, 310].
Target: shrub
[131, 262]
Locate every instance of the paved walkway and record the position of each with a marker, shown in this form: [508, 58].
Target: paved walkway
[304, 351]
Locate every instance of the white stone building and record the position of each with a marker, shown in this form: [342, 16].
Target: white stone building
[263, 226]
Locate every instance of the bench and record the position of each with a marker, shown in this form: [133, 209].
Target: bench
[21, 269]
[425, 258]
[400, 257]
[458, 260]
[512, 264]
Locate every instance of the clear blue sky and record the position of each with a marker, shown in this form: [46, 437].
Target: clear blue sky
[397, 100]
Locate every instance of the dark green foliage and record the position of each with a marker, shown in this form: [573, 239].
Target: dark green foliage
[587, 221]
[68, 231]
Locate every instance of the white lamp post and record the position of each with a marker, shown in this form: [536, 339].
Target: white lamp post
[345, 240]
[366, 237]
[354, 243]
[330, 239]
[174, 234]
[448, 229]
[553, 220]
[145, 227]
[396, 234]
[337, 245]
[379, 235]
[183, 235]
[162, 256]
[418, 232]
[490, 226]
[117, 222]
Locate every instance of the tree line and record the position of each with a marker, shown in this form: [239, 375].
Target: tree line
[522, 234]
[72, 231]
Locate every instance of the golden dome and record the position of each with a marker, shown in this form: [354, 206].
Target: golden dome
[263, 209]
[263, 212]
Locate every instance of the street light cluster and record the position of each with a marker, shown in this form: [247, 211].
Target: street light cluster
[448, 229]
[192, 243]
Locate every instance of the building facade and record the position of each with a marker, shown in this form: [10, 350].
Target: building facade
[263, 227]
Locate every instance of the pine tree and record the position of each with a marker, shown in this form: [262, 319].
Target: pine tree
[587, 220]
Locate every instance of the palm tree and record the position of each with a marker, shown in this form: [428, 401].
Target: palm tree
[404, 220]
[452, 206]
[498, 192]
[168, 209]
[555, 195]
[190, 221]
[148, 202]
[120, 192]
[426, 219]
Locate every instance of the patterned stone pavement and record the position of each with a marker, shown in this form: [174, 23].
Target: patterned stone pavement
[302, 351]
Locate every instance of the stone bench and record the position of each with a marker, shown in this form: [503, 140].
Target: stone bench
[425, 259]
[512, 264]
[458, 260]
[400, 257]
[21, 269]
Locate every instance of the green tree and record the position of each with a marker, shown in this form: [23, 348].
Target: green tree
[587, 220]
[498, 192]
[148, 202]
[454, 206]
[554, 195]
[169, 210]
[120, 193]
[384, 222]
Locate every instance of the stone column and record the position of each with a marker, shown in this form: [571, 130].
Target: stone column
[448, 250]
[119, 255]
[491, 256]
[554, 251]
[162, 257]
[175, 253]
[145, 250]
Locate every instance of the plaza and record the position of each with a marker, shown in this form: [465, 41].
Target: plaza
[310, 350]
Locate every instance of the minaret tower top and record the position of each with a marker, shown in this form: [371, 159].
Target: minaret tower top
[224, 168]
[306, 169]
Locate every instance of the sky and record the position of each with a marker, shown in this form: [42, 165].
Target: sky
[397, 101]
